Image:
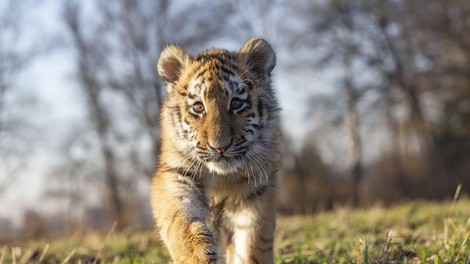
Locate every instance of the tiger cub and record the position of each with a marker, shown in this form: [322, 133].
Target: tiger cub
[214, 194]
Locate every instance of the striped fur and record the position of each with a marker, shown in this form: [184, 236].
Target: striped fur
[213, 195]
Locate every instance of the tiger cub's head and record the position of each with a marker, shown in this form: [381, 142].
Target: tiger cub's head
[220, 109]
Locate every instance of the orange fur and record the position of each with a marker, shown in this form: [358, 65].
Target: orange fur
[213, 195]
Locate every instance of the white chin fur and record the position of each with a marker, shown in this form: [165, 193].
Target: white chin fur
[223, 168]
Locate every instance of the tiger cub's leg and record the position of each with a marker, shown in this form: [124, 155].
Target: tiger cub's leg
[180, 208]
[253, 231]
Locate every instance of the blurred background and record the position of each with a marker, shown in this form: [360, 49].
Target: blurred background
[375, 97]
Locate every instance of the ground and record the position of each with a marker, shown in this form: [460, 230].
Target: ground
[413, 232]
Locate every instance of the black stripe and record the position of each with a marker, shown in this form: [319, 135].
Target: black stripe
[199, 152]
[249, 130]
[248, 83]
[240, 151]
[196, 219]
[242, 90]
[248, 100]
[171, 224]
[206, 57]
[226, 70]
[178, 113]
[257, 192]
[200, 146]
[201, 73]
[217, 212]
[265, 249]
[240, 141]
[260, 110]
[198, 86]
[266, 240]
[220, 206]
[255, 261]
[206, 235]
[229, 234]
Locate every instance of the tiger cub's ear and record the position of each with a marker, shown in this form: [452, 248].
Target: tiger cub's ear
[171, 64]
[259, 56]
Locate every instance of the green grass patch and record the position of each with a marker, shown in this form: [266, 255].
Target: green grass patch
[415, 232]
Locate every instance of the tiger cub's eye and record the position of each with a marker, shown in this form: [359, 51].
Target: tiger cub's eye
[198, 108]
[236, 104]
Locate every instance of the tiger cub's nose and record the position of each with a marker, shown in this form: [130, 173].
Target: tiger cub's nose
[220, 150]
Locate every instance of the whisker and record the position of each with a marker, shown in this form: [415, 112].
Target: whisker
[257, 166]
[260, 167]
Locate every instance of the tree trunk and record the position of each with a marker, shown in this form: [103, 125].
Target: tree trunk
[397, 143]
[99, 117]
[113, 186]
[352, 125]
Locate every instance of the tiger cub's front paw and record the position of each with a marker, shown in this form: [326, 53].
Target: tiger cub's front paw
[202, 243]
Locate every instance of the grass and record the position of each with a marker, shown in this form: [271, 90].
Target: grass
[415, 232]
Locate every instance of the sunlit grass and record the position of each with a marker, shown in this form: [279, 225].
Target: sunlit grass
[415, 232]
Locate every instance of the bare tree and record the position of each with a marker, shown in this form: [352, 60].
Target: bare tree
[89, 59]
[394, 53]
[333, 30]
[446, 44]
[137, 32]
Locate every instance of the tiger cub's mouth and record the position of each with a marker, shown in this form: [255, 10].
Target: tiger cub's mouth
[224, 164]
